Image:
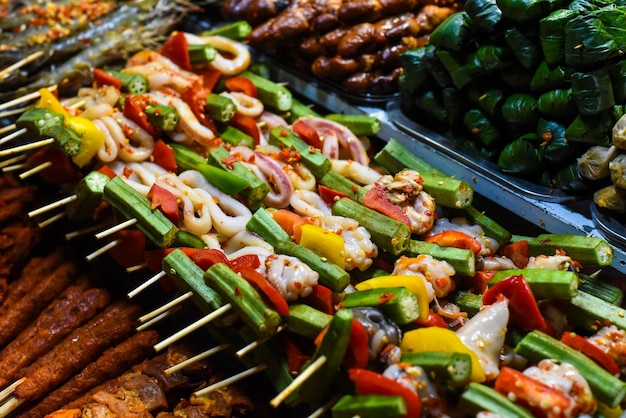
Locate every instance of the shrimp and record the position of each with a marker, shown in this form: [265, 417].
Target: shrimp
[436, 274]
[356, 172]
[161, 71]
[290, 276]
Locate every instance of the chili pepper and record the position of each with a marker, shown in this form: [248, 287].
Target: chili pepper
[164, 200]
[243, 85]
[368, 382]
[539, 398]
[518, 252]
[307, 134]
[376, 199]
[456, 239]
[247, 125]
[321, 298]
[133, 110]
[522, 303]
[130, 249]
[357, 355]
[163, 155]
[262, 285]
[591, 350]
[326, 243]
[103, 78]
[176, 48]
[329, 195]
[433, 320]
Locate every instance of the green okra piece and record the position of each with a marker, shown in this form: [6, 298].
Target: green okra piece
[244, 299]
[312, 158]
[330, 275]
[447, 191]
[219, 108]
[238, 30]
[358, 124]
[477, 397]
[397, 303]
[270, 93]
[536, 346]
[235, 137]
[369, 406]
[306, 321]
[131, 83]
[299, 110]
[201, 53]
[257, 189]
[387, 233]
[39, 121]
[133, 205]
[65, 139]
[162, 117]
[463, 261]
[490, 227]
[600, 289]
[584, 249]
[545, 284]
[187, 159]
[442, 366]
[88, 196]
[336, 181]
[590, 312]
[189, 240]
[468, 302]
[262, 223]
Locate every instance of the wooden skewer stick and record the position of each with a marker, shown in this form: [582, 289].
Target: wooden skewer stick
[102, 250]
[196, 358]
[8, 128]
[8, 391]
[35, 170]
[15, 167]
[116, 228]
[9, 406]
[23, 99]
[145, 284]
[24, 61]
[12, 135]
[230, 380]
[324, 408]
[9, 161]
[300, 379]
[51, 220]
[190, 328]
[26, 147]
[85, 231]
[254, 344]
[138, 267]
[52, 205]
[176, 301]
[12, 112]
[156, 319]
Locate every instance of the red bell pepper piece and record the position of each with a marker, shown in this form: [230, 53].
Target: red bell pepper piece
[518, 252]
[478, 282]
[130, 250]
[210, 78]
[247, 125]
[357, 355]
[376, 199]
[368, 382]
[134, 106]
[307, 133]
[522, 303]
[591, 350]
[433, 320]
[163, 155]
[61, 171]
[176, 49]
[154, 258]
[103, 78]
[164, 200]
[261, 284]
[540, 399]
[321, 298]
[296, 356]
[206, 257]
[456, 239]
[242, 85]
[195, 97]
[248, 260]
[106, 170]
[329, 195]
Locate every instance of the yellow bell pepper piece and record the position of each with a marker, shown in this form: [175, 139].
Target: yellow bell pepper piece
[92, 138]
[49, 101]
[444, 340]
[324, 242]
[413, 283]
[604, 410]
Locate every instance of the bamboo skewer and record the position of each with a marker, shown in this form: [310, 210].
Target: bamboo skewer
[232, 379]
[19, 64]
[8, 128]
[12, 135]
[24, 99]
[196, 358]
[166, 307]
[51, 206]
[116, 228]
[35, 170]
[254, 344]
[26, 147]
[102, 250]
[158, 318]
[12, 112]
[299, 380]
[10, 161]
[145, 284]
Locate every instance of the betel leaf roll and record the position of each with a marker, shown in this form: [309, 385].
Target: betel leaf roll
[555, 146]
[520, 109]
[612, 198]
[588, 43]
[454, 32]
[570, 180]
[548, 77]
[414, 65]
[614, 20]
[594, 130]
[484, 13]
[490, 58]
[592, 91]
[429, 102]
[517, 77]
[617, 72]
[454, 63]
[524, 47]
[520, 157]
[527, 10]
[455, 103]
[557, 103]
[617, 168]
[489, 99]
[480, 126]
[594, 163]
[552, 35]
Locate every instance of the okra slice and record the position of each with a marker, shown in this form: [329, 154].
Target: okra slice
[387, 233]
[398, 304]
[360, 125]
[219, 108]
[88, 196]
[201, 53]
[336, 181]
[271, 94]
[162, 117]
[545, 284]
[463, 261]
[369, 406]
[238, 30]
[132, 83]
[312, 158]
[536, 346]
[600, 289]
[491, 228]
[333, 346]
[235, 137]
[584, 249]
[189, 240]
[442, 367]
[133, 205]
[262, 223]
[65, 139]
[588, 311]
[477, 398]
[306, 321]
[244, 299]
[468, 302]
[39, 121]
[299, 110]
